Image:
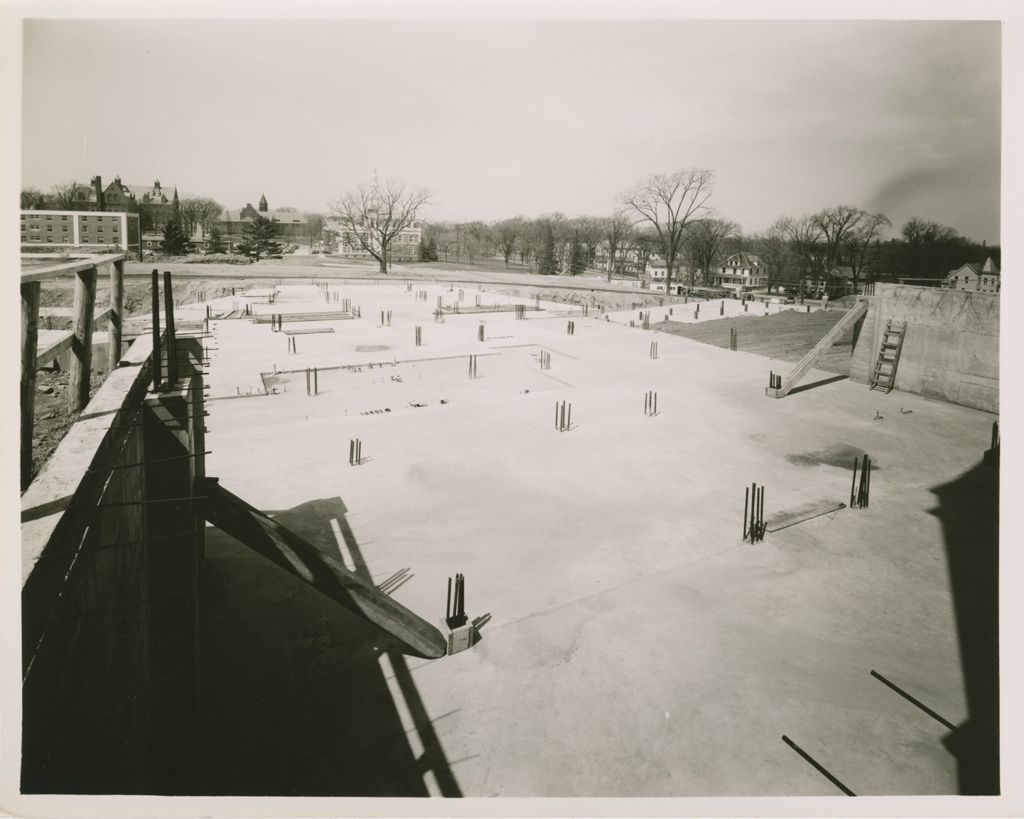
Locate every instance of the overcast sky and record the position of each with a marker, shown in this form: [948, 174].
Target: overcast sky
[507, 118]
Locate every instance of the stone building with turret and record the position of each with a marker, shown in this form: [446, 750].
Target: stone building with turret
[291, 225]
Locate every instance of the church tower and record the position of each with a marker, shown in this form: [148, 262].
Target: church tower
[263, 203]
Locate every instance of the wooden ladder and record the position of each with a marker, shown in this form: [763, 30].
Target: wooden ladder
[884, 376]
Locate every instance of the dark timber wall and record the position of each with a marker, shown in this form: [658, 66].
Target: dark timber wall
[950, 349]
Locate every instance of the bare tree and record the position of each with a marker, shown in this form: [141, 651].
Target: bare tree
[857, 244]
[315, 227]
[835, 225]
[198, 211]
[507, 235]
[69, 197]
[478, 239]
[773, 249]
[703, 243]
[33, 199]
[669, 203]
[445, 237]
[805, 239]
[643, 244]
[929, 248]
[374, 215]
[617, 232]
[589, 232]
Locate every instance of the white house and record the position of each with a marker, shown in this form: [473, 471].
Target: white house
[657, 276]
[404, 247]
[970, 277]
[742, 272]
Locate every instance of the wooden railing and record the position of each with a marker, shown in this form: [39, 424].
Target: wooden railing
[78, 339]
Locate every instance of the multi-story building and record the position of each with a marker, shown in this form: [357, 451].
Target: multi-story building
[628, 261]
[742, 273]
[93, 230]
[154, 206]
[983, 279]
[656, 277]
[404, 247]
[291, 226]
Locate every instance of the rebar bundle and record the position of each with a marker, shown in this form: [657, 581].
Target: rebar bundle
[563, 416]
[455, 610]
[754, 526]
[860, 491]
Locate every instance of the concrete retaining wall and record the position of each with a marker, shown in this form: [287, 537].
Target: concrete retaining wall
[950, 349]
[112, 540]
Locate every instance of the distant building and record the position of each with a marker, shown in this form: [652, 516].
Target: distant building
[742, 273]
[291, 226]
[980, 279]
[85, 229]
[152, 203]
[404, 247]
[627, 261]
[656, 275]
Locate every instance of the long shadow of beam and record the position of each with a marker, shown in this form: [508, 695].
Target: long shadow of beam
[819, 383]
[969, 511]
[294, 699]
[433, 758]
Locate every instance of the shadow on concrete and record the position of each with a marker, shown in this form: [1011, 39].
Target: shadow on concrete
[478, 626]
[295, 694]
[819, 383]
[969, 511]
[838, 455]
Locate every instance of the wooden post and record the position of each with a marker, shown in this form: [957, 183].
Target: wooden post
[116, 308]
[29, 341]
[81, 342]
[156, 356]
[172, 347]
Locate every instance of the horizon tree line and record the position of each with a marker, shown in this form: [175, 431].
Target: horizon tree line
[663, 215]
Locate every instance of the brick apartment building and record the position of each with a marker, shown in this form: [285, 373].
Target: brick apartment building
[85, 229]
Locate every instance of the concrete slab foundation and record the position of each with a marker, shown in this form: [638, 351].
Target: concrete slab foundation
[637, 646]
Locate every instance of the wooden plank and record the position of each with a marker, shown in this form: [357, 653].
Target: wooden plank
[853, 315]
[68, 312]
[327, 575]
[75, 265]
[115, 312]
[29, 341]
[80, 371]
[305, 331]
[334, 315]
[52, 343]
[806, 511]
[139, 351]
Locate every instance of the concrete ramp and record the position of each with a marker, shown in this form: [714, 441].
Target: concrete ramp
[328, 576]
[853, 315]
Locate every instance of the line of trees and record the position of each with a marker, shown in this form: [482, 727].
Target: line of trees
[669, 217]
[664, 215]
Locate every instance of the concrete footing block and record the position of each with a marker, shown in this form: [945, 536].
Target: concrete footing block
[460, 638]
